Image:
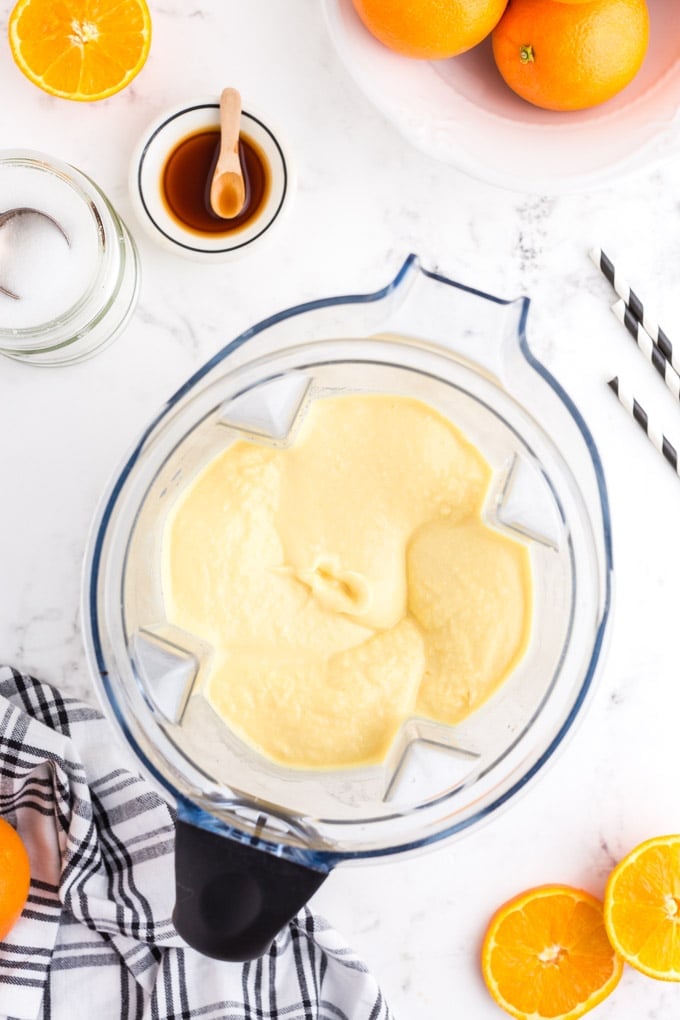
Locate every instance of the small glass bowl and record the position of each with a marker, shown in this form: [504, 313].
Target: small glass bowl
[146, 189]
[100, 286]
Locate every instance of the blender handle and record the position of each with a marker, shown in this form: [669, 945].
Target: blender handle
[233, 899]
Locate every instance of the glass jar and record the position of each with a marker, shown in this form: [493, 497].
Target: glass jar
[69, 268]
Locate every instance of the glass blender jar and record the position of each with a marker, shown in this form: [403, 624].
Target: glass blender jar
[254, 839]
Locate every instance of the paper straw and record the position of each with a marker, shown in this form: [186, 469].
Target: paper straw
[639, 415]
[644, 341]
[621, 287]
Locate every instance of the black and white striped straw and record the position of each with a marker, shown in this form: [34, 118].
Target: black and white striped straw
[644, 341]
[639, 415]
[636, 306]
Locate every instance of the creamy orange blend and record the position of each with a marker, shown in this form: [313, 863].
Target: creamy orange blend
[347, 583]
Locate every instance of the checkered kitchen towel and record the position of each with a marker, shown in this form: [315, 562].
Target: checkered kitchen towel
[95, 940]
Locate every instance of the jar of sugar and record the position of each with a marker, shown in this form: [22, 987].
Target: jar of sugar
[69, 269]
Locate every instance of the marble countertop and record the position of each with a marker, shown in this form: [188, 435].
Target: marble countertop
[364, 200]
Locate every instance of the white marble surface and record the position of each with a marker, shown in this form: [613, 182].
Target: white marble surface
[364, 200]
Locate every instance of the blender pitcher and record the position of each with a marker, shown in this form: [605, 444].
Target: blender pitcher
[256, 839]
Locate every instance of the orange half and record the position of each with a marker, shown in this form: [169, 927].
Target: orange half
[80, 49]
[546, 954]
[642, 908]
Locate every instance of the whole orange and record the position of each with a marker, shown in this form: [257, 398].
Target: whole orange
[430, 29]
[570, 56]
[15, 877]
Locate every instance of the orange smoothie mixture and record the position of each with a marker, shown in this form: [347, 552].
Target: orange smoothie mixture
[347, 583]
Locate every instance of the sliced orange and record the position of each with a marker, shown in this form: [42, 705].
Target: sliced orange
[642, 908]
[546, 954]
[80, 49]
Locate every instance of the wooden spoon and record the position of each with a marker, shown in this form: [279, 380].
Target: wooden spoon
[227, 189]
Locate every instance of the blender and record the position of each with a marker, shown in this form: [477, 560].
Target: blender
[256, 839]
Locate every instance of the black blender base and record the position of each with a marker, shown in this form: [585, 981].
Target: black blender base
[232, 899]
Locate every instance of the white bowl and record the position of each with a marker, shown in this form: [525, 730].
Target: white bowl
[461, 112]
[146, 173]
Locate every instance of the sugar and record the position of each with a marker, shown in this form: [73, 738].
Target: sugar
[47, 273]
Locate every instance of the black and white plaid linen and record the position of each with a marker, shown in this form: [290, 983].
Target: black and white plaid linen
[95, 940]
